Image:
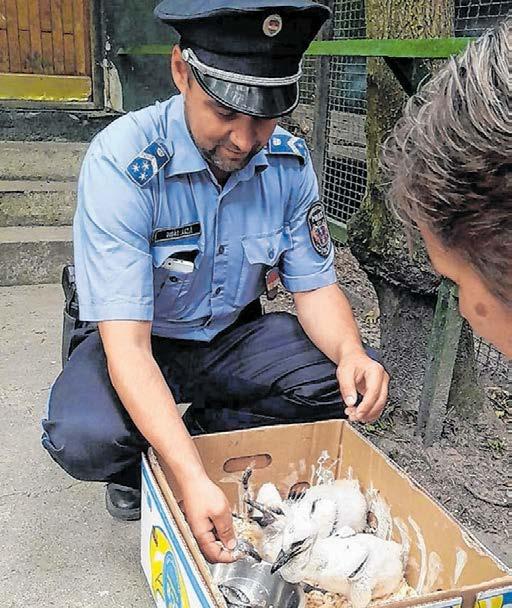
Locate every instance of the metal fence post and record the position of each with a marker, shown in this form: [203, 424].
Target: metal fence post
[442, 352]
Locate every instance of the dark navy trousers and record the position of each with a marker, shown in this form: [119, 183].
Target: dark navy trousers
[259, 373]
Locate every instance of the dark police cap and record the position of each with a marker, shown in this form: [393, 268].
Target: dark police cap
[246, 54]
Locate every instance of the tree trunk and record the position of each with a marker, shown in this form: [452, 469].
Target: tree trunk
[403, 278]
[405, 322]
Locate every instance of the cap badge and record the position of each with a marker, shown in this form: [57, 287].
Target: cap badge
[272, 25]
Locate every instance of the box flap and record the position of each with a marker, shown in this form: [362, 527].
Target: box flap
[443, 554]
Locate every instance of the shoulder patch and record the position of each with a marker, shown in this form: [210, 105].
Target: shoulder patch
[319, 230]
[148, 163]
[288, 144]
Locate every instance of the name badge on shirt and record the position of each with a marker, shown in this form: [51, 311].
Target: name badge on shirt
[272, 283]
[161, 235]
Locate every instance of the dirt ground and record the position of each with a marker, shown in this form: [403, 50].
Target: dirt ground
[467, 470]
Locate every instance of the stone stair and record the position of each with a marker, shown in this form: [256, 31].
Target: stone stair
[37, 202]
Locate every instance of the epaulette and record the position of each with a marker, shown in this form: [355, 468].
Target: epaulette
[149, 162]
[283, 143]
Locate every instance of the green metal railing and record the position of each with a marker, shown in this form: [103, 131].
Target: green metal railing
[430, 48]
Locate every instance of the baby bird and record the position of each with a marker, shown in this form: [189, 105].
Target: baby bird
[339, 508]
[268, 496]
[361, 567]
[269, 510]
[305, 525]
[351, 505]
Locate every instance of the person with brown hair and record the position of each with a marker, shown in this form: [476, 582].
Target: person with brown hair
[449, 160]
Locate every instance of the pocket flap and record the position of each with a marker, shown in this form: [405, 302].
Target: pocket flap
[267, 248]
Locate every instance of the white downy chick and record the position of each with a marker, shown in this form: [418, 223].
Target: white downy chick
[343, 511]
[268, 496]
[305, 524]
[361, 567]
[351, 505]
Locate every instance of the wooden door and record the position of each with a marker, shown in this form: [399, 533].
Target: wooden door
[45, 51]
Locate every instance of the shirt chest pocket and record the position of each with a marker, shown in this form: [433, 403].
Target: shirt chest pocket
[260, 253]
[174, 269]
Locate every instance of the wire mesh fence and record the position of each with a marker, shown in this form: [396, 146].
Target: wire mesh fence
[308, 82]
[301, 122]
[343, 171]
[344, 175]
[349, 19]
[492, 363]
[473, 17]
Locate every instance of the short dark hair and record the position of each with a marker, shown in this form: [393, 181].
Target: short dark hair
[449, 158]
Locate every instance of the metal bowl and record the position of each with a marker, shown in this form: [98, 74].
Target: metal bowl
[249, 584]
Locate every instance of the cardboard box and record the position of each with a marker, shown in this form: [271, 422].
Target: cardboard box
[447, 566]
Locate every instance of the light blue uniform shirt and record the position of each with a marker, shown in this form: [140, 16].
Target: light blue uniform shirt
[146, 196]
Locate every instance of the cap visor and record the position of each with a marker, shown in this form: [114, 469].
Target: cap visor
[263, 102]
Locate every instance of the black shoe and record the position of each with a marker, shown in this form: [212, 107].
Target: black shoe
[123, 502]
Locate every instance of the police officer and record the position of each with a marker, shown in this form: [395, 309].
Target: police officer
[187, 212]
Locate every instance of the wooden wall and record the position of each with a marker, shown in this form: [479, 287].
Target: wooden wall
[45, 37]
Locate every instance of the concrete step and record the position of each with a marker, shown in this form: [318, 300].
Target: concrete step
[31, 255]
[56, 161]
[37, 203]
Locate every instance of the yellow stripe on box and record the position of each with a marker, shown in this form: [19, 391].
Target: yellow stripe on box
[42, 87]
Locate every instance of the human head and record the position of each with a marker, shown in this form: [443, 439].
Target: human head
[449, 160]
[243, 65]
[226, 139]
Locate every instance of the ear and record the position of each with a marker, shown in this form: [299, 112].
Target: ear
[179, 69]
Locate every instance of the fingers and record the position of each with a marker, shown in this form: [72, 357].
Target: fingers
[347, 382]
[351, 414]
[368, 378]
[212, 548]
[213, 530]
[210, 520]
[373, 383]
[223, 523]
[376, 411]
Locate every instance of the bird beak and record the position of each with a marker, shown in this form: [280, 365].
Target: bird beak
[283, 558]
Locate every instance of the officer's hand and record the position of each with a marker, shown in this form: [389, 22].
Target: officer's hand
[209, 516]
[359, 373]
